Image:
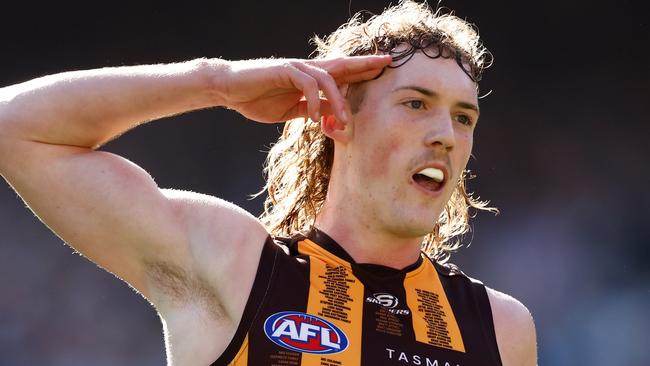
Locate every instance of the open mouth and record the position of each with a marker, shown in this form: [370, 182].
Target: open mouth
[430, 179]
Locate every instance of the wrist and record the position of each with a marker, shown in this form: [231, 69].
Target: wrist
[214, 74]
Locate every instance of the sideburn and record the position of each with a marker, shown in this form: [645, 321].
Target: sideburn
[355, 96]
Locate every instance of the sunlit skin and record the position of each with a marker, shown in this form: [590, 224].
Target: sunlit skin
[194, 256]
[420, 114]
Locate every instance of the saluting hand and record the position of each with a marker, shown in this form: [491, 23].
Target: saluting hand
[276, 90]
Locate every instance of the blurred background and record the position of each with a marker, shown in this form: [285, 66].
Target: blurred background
[562, 150]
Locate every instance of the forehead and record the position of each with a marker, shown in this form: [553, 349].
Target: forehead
[442, 75]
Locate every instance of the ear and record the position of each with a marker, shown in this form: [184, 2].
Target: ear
[335, 129]
[332, 127]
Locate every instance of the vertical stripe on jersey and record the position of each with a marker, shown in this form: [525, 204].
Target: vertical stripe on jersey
[242, 356]
[336, 295]
[434, 322]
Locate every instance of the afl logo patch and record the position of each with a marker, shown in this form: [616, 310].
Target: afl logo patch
[307, 333]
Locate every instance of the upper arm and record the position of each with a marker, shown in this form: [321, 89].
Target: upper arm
[112, 211]
[515, 330]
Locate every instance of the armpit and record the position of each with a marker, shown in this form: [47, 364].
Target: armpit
[177, 287]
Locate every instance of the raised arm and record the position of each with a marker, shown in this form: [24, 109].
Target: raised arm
[111, 210]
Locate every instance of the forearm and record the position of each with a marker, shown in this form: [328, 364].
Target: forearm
[88, 108]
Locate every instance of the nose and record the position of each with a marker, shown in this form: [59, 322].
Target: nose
[441, 132]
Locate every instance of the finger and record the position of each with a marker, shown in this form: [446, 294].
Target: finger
[326, 108]
[363, 76]
[350, 65]
[328, 85]
[301, 110]
[309, 88]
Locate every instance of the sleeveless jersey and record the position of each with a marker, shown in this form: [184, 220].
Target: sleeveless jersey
[312, 305]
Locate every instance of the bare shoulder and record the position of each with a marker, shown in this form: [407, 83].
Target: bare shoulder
[221, 233]
[209, 214]
[515, 330]
[224, 245]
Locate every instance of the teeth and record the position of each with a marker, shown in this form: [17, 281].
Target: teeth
[433, 173]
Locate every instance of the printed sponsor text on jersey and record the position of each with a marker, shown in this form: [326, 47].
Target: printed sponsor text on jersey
[384, 299]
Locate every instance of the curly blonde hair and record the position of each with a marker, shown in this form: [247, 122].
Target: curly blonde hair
[299, 164]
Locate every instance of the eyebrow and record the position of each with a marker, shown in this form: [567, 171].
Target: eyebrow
[432, 94]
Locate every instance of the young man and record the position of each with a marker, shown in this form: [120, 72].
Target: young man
[362, 206]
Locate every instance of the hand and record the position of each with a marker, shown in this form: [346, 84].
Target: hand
[276, 90]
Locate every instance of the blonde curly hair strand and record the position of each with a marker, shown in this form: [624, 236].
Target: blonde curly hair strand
[298, 165]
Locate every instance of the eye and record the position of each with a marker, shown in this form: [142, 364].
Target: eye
[464, 119]
[414, 104]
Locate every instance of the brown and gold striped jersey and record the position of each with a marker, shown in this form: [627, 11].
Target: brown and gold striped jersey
[312, 305]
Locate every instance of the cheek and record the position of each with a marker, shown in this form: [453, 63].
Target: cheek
[380, 156]
[464, 145]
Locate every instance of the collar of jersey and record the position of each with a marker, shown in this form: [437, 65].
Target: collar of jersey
[334, 251]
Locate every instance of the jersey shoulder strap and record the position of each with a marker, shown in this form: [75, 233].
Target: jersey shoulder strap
[471, 291]
[266, 273]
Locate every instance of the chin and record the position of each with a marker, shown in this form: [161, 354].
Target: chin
[413, 229]
[410, 222]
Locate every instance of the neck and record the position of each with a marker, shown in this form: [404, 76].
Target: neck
[365, 243]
